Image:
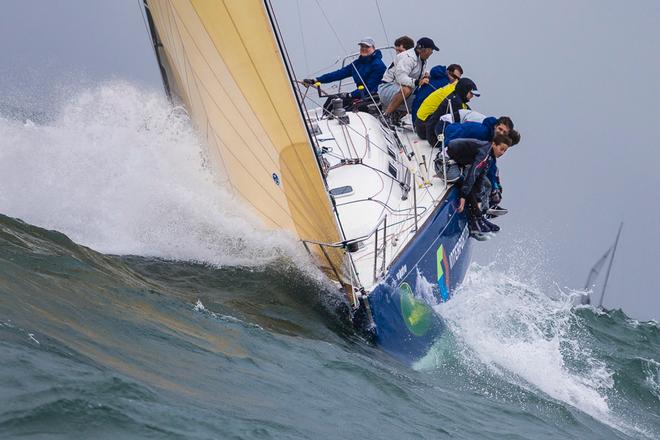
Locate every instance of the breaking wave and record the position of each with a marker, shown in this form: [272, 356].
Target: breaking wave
[122, 171]
[505, 328]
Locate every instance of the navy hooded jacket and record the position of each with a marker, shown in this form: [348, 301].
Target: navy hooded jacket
[475, 156]
[471, 130]
[475, 130]
[367, 71]
[437, 78]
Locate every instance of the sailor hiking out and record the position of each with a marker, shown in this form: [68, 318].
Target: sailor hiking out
[439, 77]
[429, 106]
[465, 90]
[486, 131]
[468, 161]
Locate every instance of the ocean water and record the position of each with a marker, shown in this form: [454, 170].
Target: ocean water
[139, 300]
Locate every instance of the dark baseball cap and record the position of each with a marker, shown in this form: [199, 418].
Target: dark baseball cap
[426, 43]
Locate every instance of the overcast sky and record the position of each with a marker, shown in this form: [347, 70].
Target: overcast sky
[579, 78]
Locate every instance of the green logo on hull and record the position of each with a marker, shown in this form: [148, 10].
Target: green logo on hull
[416, 313]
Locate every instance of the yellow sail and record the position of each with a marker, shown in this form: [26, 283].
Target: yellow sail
[221, 58]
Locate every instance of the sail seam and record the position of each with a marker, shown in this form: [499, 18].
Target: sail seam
[309, 177]
[295, 187]
[303, 214]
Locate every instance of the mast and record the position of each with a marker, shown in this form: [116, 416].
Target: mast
[609, 267]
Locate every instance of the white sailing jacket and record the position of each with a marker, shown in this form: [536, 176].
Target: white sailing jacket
[408, 68]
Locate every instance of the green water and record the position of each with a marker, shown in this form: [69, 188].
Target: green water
[98, 346]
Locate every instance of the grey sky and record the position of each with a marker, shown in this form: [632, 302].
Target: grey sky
[50, 47]
[579, 79]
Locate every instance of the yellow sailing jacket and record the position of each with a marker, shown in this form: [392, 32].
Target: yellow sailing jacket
[431, 103]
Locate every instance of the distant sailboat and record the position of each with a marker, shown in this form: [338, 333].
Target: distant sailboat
[595, 270]
[359, 196]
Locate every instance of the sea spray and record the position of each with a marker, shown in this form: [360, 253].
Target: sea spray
[502, 326]
[121, 170]
[652, 376]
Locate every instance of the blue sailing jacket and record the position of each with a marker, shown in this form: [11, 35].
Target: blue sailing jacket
[367, 71]
[475, 130]
[437, 78]
[482, 131]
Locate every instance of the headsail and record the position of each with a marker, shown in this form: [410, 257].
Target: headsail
[595, 270]
[221, 58]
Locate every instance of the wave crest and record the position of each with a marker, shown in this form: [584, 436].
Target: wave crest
[121, 170]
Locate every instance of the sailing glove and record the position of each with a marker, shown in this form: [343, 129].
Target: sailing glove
[309, 81]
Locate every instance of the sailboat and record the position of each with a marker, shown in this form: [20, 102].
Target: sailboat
[585, 299]
[362, 198]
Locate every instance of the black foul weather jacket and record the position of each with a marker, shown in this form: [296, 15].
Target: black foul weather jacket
[475, 156]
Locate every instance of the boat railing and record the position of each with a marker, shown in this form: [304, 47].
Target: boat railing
[383, 248]
[379, 233]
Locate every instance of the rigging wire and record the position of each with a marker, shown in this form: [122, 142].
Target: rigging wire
[414, 175]
[389, 208]
[302, 35]
[366, 130]
[371, 142]
[332, 28]
[382, 22]
[323, 69]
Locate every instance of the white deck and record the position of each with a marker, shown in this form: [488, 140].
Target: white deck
[376, 192]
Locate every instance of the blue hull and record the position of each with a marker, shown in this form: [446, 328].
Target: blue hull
[426, 273]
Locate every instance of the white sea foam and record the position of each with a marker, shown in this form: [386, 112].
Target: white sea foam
[425, 289]
[200, 308]
[122, 171]
[652, 376]
[522, 335]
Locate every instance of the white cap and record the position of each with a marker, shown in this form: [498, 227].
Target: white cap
[367, 41]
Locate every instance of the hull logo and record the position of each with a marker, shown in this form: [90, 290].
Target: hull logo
[442, 271]
[455, 253]
[416, 314]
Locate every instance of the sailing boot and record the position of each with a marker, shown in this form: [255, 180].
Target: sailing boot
[496, 211]
[490, 225]
[476, 230]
